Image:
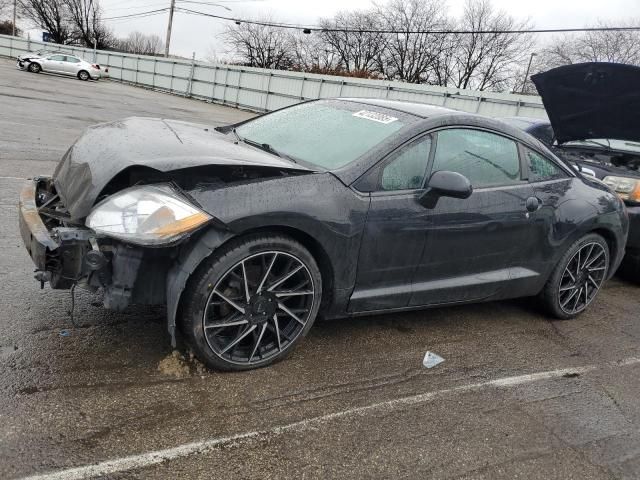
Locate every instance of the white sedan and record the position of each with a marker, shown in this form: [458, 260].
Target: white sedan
[61, 63]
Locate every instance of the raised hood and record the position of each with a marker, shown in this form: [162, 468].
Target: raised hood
[592, 100]
[107, 149]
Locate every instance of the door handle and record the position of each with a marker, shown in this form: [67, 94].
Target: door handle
[533, 204]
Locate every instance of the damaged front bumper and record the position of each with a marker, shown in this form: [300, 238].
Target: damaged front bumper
[56, 250]
[66, 254]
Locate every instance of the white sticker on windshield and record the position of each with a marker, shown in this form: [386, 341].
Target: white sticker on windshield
[375, 116]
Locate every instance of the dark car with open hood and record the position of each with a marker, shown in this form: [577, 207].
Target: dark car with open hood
[331, 208]
[594, 125]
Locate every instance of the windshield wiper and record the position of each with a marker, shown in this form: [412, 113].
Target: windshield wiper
[264, 146]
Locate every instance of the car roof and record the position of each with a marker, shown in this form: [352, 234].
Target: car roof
[436, 115]
[418, 109]
[528, 120]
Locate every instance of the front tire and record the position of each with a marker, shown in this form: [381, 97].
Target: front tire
[577, 278]
[630, 268]
[251, 302]
[34, 67]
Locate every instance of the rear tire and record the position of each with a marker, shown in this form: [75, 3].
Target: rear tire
[577, 278]
[34, 67]
[237, 311]
[84, 75]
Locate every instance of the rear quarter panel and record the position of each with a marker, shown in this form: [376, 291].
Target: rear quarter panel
[572, 208]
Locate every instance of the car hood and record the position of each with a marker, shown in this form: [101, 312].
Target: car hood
[592, 100]
[107, 149]
[30, 56]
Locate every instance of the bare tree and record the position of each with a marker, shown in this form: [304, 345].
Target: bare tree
[312, 54]
[444, 65]
[85, 17]
[407, 56]
[141, 44]
[260, 45]
[486, 61]
[601, 46]
[49, 15]
[5, 6]
[6, 28]
[355, 38]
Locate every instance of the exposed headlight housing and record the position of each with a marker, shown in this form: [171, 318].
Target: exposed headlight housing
[626, 188]
[146, 215]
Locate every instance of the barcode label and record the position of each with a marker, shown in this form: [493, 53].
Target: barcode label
[375, 116]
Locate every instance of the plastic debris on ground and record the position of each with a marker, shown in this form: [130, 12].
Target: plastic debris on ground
[65, 333]
[431, 360]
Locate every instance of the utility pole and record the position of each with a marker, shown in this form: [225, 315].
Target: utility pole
[526, 75]
[15, 7]
[168, 41]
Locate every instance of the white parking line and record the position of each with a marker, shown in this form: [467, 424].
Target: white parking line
[158, 456]
[13, 178]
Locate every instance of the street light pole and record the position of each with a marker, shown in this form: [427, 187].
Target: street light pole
[15, 7]
[526, 75]
[168, 40]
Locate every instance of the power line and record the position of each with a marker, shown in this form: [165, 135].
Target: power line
[139, 14]
[109, 9]
[317, 28]
[209, 4]
[252, 22]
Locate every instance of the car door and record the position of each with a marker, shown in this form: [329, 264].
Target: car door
[54, 63]
[474, 246]
[394, 234]
[551, 184]
[71, 65]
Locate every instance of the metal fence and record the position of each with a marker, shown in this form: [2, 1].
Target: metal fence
[263, 90]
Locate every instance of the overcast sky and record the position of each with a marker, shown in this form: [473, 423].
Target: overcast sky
[201, 35]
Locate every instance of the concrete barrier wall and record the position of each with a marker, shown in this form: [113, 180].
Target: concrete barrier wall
[263, 90]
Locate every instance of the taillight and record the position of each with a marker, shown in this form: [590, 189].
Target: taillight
[96, 66]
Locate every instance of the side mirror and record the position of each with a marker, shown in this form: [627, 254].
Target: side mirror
[584, 170]
[446, 184]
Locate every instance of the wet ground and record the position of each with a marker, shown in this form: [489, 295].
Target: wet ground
[518, 395]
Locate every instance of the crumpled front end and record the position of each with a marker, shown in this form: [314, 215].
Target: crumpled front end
[67, 253]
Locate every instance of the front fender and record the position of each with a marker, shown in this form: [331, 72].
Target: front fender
[191, 255]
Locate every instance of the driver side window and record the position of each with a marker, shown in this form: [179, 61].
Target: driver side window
[485, 158]
[406, 170]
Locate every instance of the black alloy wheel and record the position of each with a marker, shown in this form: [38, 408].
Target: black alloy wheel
[578, 277]
[252, 302]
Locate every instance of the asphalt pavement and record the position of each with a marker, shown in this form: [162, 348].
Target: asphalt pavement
[517, 396]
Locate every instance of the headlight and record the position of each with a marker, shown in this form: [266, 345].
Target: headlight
[146, 215]
[627, 188]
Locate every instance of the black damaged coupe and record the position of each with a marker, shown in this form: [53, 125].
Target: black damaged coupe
[330, 208]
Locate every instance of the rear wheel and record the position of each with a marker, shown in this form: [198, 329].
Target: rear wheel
[249, 304]
[577, 278]
[83, 75]
[34, 67]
